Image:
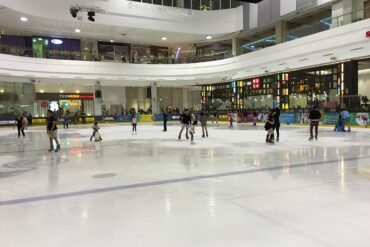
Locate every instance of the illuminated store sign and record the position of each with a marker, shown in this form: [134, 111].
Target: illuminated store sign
[368, 34]
[75, 96]
[57, 41]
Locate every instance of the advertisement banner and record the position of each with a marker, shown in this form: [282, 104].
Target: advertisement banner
[287, 118]
[360, 118]
[330, 118]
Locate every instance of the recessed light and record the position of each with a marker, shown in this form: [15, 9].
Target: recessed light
[164, 38]
[77, 91]
[2, 91]
[77, 30]
[209, 37]
[252, 46]
[24, 19]
[61, 91]
[41, 91]
[112, 41]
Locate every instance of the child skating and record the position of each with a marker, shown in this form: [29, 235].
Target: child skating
[269, 127]
[192, 131]
[96, 134]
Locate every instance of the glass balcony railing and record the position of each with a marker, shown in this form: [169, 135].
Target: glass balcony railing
[305, 30]
[192, 56]
[204, 5]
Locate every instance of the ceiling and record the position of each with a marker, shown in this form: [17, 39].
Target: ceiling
[120, 26]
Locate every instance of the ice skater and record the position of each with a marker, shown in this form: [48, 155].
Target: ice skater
[134, 123]
[66, 121]
[96, 134]
[185, 120]
[277, 124]
[192, 130]
[339, 126]
[165, 115]
[314, 117]
[52, 130]
[20, 126]
[203, 122]
[231, 120]
[269, 127]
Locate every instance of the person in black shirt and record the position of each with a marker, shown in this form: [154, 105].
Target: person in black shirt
[185, 120]
[52, 130]
[277, 124]
[314, 116]
[164, 119]
[20, 126]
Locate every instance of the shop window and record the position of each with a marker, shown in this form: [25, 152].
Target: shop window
[225, 4]
[196, 4]
[167, 2]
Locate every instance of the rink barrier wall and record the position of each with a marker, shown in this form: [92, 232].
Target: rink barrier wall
[330, 118]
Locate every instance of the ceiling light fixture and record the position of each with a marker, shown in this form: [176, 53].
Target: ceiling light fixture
[24, 19]
[209, 37]
[91, 15]
[111, 40]
[164, 38]
[77, 30]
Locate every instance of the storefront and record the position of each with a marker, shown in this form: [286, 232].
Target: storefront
[65, 102]
[329, 87]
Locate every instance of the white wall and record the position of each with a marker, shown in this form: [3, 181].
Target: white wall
[113, 96]
[287, 6]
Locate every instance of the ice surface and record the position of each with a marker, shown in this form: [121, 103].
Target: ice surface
[231, 189]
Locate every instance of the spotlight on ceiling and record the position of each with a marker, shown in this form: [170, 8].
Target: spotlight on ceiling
[74, 11]
[91, 15]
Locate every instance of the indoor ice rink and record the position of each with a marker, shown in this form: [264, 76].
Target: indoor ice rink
[152, 189]
[105, 107]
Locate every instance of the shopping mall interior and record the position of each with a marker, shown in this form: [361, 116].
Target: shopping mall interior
[184, 92]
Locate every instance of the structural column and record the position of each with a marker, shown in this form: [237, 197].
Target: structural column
[236, 43]
[154, 99]
[185, 102]
[124, 98]
[281, 30]
[140, 98]
[97, 99]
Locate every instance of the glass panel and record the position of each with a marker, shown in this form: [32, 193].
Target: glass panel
[159, 2]
[179, 3]
[16, 99]
[147, 1]
[234, 4]
[106, 52]
[187, 4]
[215, 4]
[225, 4]
[167, 2]
[196, 4]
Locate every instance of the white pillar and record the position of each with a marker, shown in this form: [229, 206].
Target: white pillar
[124, 98]
[140, 98]
[153, 89]
[281, 31]
[97, 99]
[236, 43]
[185, 102]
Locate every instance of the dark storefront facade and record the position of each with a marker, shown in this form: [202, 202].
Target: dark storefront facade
[330, 87]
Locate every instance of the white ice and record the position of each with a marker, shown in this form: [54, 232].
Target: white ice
[229, 190]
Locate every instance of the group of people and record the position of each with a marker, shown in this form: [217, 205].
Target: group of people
[189, 121]
[22, 122]
[273, 124]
